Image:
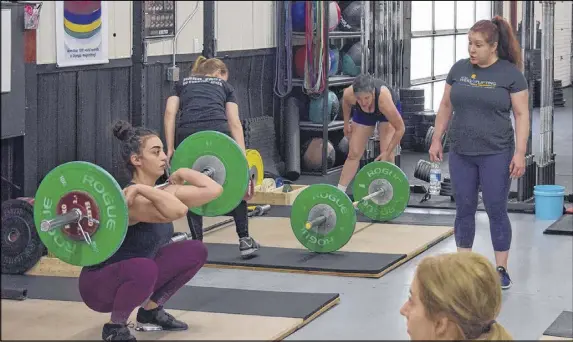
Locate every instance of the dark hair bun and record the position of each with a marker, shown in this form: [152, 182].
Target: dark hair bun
[122, 130]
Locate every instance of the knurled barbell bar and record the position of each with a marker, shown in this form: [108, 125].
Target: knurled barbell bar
[323, 218]
[81, 214]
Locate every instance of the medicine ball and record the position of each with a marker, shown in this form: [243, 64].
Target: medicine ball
[351, 16]
[333, 15]
[298, 14]
[300, 60]
[315, 107]
[342, 149]
[312, 155]
[334, 60]
[352, 59]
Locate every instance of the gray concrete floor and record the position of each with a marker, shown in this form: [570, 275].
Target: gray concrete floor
[541, 267]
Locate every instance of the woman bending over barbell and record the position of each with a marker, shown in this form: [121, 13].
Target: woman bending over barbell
[208, 102]
[454, 296]
[370, 101]
[147, 265]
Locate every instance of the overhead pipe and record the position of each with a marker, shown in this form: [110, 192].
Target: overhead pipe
[526, 183]
[513, 14]
[546, 110]
[209, 39]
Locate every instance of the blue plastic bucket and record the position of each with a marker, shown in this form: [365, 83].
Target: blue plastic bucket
[548, 201]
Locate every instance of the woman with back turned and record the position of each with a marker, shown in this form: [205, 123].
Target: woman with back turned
[482, 91]
[208, 102]
[148, 269]
[454, 296]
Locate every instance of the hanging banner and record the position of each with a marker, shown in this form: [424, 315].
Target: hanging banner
[81, 33]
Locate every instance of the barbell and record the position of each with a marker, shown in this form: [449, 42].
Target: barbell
[323, 218]
[80, 213]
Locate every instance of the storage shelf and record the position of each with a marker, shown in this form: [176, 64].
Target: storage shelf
[334, 34]
[333, 81]
[315, 127]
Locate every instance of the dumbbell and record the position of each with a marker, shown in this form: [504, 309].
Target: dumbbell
[81, 214]
[323, 218]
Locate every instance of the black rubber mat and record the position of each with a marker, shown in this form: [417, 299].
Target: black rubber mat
[192, 298]
[562, 326]
[406, 218]
[563, 226]
[304, 260]
[443, 202]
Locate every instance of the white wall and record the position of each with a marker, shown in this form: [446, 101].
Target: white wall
[245, 25]
[190, 39]
[120, 29]
[240, 25]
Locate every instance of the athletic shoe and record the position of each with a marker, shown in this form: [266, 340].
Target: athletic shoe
[248, 246]
[116, 332]
[504, 277]
[158, 319]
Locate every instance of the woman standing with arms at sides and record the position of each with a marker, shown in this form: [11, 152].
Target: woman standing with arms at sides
[483, 90]
[208, 103]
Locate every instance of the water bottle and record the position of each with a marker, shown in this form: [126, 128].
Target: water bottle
[435, 178]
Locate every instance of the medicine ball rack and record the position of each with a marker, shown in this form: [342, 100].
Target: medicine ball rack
[328, 125]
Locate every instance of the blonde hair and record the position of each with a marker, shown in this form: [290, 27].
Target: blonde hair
[466, 288]
[207, 66]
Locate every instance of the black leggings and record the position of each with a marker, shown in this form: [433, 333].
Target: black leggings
[240, 213]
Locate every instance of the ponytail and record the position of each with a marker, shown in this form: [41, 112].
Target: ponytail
[497, 332]
[508, 47]
[498, 30]
[200, 60]
[207, 66]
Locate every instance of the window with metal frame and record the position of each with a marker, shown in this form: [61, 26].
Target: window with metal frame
[439, 39]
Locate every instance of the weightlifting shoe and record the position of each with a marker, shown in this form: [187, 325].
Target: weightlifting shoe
[248, 246]
[504, 277]
[158, 319]
[116, 332]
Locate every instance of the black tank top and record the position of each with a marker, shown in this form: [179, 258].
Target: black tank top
[378, 83]
[142, 240]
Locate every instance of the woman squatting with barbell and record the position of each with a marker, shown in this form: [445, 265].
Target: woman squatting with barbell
[208, 102]
[147, 266]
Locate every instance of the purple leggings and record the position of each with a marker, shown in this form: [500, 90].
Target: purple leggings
[492, 172]
[121, 287]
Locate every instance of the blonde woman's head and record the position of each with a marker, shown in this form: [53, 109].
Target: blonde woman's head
[212, 67]
[455, 296]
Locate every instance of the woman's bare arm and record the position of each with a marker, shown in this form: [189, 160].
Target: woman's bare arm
[155, 206]
[200, 190]
[389, 110]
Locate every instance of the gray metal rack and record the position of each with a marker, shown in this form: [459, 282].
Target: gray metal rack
[333, 81]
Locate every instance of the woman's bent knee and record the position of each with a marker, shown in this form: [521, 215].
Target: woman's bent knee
[195, 251]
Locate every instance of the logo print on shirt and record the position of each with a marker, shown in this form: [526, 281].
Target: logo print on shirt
[472, 81]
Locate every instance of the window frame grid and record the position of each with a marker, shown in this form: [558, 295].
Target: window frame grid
[433, 79]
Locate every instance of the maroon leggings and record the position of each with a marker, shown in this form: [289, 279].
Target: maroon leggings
[121, 287]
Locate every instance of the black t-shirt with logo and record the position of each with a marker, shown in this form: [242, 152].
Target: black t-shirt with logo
[203, 99]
